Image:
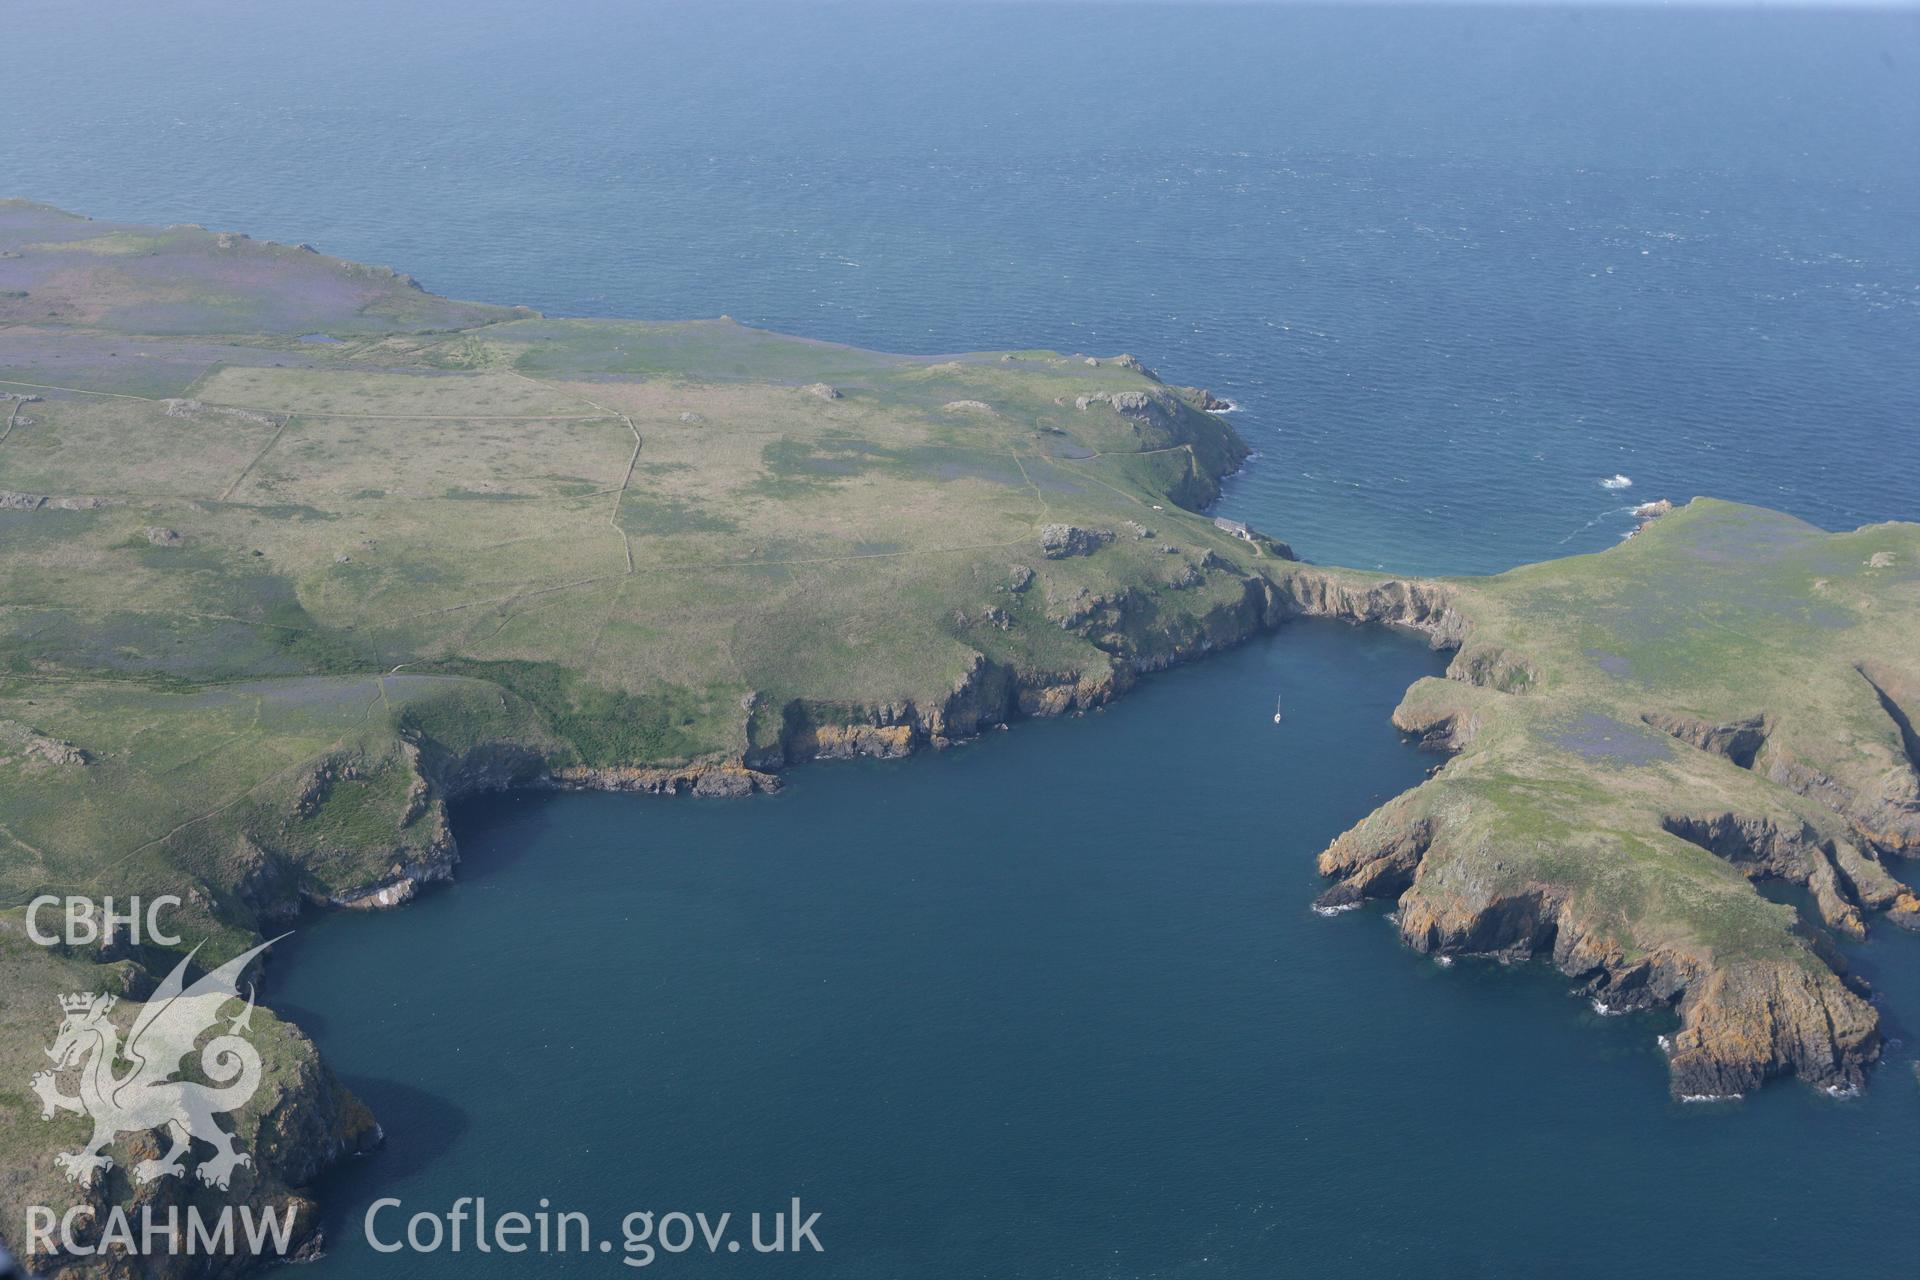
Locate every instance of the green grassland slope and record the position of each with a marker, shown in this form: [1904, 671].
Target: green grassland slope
[293, 553]
[1640, 734]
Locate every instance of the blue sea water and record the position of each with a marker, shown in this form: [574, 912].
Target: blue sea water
[1053, 1005]
[1457, 264]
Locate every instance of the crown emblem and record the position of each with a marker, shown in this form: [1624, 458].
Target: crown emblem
[143, 1097]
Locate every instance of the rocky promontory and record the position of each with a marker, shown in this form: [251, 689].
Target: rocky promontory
[470, 548]
[316, 592]
[1638, 739]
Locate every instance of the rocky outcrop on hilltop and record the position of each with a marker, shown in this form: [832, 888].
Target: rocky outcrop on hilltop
[195, 409]
[38, 747]
[1058, 541]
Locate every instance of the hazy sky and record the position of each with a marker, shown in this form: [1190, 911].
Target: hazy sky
[1557, 4]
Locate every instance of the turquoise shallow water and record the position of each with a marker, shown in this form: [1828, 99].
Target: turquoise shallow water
[1053, 1004]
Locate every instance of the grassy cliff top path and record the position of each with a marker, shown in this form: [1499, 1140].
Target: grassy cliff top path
[269, 593]
[293, 552]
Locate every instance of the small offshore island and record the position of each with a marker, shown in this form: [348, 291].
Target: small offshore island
[293, 553]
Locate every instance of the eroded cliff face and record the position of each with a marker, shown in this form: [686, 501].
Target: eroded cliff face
[1135, 634]
[1846, 883]
[1635, 738]
[1425, 606]
[1603, 808]
[1740, 1024]
[362, 827]
[1459, 890]
[1617, 785]
[1512, 851]
[365, 827]
[1130, 633]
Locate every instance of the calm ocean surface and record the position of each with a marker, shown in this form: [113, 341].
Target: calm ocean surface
[1053, 1005]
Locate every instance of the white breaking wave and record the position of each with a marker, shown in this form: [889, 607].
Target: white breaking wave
[1617, 482]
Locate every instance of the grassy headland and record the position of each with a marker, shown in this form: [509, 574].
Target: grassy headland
[292, 553]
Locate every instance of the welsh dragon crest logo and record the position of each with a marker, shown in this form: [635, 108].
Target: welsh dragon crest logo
[129, 1088]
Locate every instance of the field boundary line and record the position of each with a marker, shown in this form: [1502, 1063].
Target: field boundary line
[248, 469]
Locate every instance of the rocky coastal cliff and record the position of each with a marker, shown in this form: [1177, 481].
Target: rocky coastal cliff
[1505, 852]
[696, 555]
[1619, 781]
